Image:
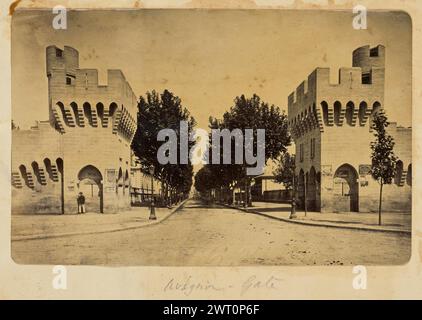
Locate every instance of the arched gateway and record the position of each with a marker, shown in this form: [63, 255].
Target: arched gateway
[90, 184]
[346, 188]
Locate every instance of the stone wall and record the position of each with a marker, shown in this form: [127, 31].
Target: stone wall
[338, 150]
[36, 184]
[85, 145]
[336, 119]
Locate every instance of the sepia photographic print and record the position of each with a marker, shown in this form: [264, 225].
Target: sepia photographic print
[211, 137]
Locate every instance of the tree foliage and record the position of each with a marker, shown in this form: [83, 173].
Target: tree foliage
[157, 112]
[246, 113]
[205, 179]
[382, 156]
[284, 172]
[253, 113]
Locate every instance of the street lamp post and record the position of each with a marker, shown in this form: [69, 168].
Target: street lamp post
[293, 209]
[152, 215]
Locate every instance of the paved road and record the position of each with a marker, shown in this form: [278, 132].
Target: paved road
[199, 235]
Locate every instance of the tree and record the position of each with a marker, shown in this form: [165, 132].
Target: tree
[253, 113]
[284, 172]
[224, 176]
[383, 157]
[157, 112]
[205, 181]
[180, 181]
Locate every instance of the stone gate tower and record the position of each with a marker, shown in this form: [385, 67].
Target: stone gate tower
[86, 146]
[331, 127]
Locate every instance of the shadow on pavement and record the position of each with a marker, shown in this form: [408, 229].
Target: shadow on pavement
[281, 209]
[204, 206]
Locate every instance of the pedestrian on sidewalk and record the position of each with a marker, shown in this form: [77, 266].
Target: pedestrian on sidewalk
[81, 203]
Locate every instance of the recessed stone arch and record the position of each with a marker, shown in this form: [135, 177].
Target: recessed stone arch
[100, 112]
[346, 188]
[37, 173]
[90, 172]
[76, 113]
[112, 109]
[24, 175]
[376, 107]
[363, 108]
[60, 165]
[324, 107]
[60, 106]
[409, 175]
[337, 113]
[88, 113]
[48, 168]
[350, 109]
[91, 185]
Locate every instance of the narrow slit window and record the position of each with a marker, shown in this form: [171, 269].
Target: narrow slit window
[366, 78]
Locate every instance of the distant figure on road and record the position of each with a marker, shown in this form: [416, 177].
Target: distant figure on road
[81, 203]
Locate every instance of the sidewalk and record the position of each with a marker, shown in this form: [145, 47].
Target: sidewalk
[30, 227]
[391, 221]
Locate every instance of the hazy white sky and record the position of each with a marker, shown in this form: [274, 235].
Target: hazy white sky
[208, 57]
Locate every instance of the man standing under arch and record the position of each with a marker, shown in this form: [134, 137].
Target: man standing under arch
[81, 203]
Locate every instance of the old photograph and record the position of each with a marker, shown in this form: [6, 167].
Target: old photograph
[161, 137]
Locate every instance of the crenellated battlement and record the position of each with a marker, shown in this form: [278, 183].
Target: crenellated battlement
[68, 83]
[66, 59]
[84, 146]
[368, 58]
[304, 93]
[319, 81]
[77, 100]
[319, 101]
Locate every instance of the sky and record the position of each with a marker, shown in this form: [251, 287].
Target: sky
[208, 57]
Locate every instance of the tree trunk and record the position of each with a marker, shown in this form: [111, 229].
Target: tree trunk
[245, 197]
[380, 203]
[249, 181]
[166, 194]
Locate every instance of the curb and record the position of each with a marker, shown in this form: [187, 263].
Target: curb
[325, 225]
[59, 235]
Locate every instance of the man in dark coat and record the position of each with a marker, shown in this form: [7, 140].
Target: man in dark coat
[81, 203]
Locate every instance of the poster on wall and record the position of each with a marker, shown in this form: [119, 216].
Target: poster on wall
[326, 170]
[110, 181]
[71, 186]
[364, 183]
[364, 169]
